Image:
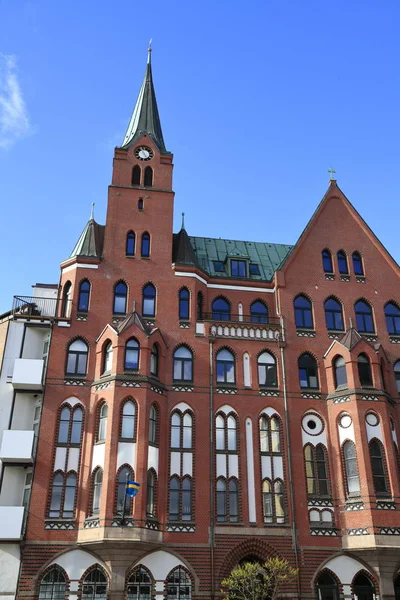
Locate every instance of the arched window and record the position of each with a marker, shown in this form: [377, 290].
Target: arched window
[56, 494]
[397, 375]
[187, 431]
[145, 249]
[327, 587]
[181, 437]
[364, 319]
[364, 370]
[94, 586]
[151, 494]
[176, 430]
[308, 373]
[130, 244]
[184, 298]
[270, 435]
[66, 300]
[351, 468]
[378, 467]
[273, 501]
[148, 177]
[154, 360]
[84, 295]
[123, 500]
[180, 499]
[63, 427]
[103, 414]
[128, 420]
[267, 371]
[221, 310]
[363, 587]
[67, 435]
[340, 373]
[183, 364]
[76, 429]
[200, 306]
[97, 487]
[232, 433]
[107, 358]
[139, 586]
[342, 263]
[259, 312]
[53, 585]
[77, 358]
[392, 314]
[303, 313]
[179, 585]
[186, 499]
[396, 588]
[132, 350]
[225, 366]
[140, 204]
[153, 425]
[316, 470]
[120, 296]
[227, 500]
[327, 261]
[136, 174]
[174, 494]
[333, 315]
[149, 300]
[68, 502]
[357, 264]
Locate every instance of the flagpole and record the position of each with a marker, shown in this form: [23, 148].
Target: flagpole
[124, 506]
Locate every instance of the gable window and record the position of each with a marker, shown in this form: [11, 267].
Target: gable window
[351, 467]
[342, 263]
[308, 373]
[364, 370]
[94, 586]
[392, 315]
[136, 174]
[132, 350]
[148, 177]
[77, 358]
[183, 364]
[128, 420]
[254, 269]
[221, 310]
[225, 366]
[357, 264]
[153, 425]
[364, 319]
[316, 470]
[145, 248]
[218, 266]
[340, 371]
[179, 585]
[303, 313]
[84, 294]
[107, 358]
[97, 488]
[154, 360]
[397, 375]
[149, 300]
[184, 299]
[102, 428]
[130, 244]
[333, 315]
[123, 500]
[53, 585]
[259, 312]
[238, 268]
[378, 467]
[267, 371]
[327, 261]
[120, 295]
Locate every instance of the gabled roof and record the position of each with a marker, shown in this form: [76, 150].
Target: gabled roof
[133, 318]
[350, 338]
[91, 240]
[145, 117]
[268, 257]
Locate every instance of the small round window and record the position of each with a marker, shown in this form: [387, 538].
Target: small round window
[372, 419]
[312, 424]
[345, 421]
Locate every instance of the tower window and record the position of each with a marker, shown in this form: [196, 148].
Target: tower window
[123, 500]
[136, 174]
[351, 468]
[107, 358]
[66, 300]
[130, 244]
[145, 250]
[184, 303]
[238, 268]
[132, 349]
[154, 358]
[97, 489]
[364, 370]
[378, 467]
[84, 294]
[148, 177]
[340, 371]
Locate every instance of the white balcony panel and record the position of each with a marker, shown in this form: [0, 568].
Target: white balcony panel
[28, 374]
[11, 519]
[17, 447]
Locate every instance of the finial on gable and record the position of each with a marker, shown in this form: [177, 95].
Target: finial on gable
[183, 221]
[92, 212]
[332, 173]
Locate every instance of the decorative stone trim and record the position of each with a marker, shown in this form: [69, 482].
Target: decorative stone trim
[181, 528]
[360, 279]
[247, 332]
[74, 382]
[342, 399]
[329, 277]
[389, 530]
[369, 338]
[385, 505]
[394, 339]
[305, 333]
[317, 502]
[369, 397]
[311, 395]
[334, 336]
[119, 522]
[131, 384]
[103, 386]
[326, 531]
[350, 506]
[150, 322]
[82, 317]
[358, 531]
[61, 525]
[270, 393]
[91, 523]
[116, 320]
[156, 389]
[154, 525]
[230, 391]
[182, 388]
[184, 325]
[345, 278]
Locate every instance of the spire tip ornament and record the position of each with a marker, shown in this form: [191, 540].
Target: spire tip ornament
[149, 51]
[331, 172]
[92, 212]
[183, 221]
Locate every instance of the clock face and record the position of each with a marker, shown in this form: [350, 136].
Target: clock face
[144, 153]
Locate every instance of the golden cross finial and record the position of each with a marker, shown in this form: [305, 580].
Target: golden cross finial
[331, 172]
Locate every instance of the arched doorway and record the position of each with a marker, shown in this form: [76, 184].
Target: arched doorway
[327, 587]
[363, 588]
[397, 587]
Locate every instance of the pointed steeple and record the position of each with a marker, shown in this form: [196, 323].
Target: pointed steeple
[182, 250]
[90, 243]
[145, 117]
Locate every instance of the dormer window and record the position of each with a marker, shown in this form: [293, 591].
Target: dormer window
[218, 266]
[238, 268]
[254, 269]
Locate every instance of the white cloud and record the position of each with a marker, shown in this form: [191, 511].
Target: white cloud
[14, 118]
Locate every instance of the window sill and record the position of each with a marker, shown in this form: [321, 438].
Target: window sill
[145, 257]
[130, 440]
[229, 523]
[182, 382]
[99, 443]
[129, 256]
[360, 278]
[342, 388]
[305, 332]
[311, 389]
[76, 376]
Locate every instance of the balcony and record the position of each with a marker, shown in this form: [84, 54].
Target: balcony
[17, 447]
[28, 374]
[31, 307]
[244, 327]
[12, 520]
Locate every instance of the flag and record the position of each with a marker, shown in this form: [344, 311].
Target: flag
[132, 488]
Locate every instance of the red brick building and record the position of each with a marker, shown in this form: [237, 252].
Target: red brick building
[250, 388]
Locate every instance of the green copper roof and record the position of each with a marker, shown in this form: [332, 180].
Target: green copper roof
[145, 117]
[268, 257]
[90, 243]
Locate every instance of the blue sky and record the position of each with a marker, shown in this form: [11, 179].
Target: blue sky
[257, 99]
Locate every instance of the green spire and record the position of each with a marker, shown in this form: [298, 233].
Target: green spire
[145, 117]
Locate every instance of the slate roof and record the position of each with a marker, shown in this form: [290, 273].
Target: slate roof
[350, 338]
[90, 242]
[269, 257]
[182, 251]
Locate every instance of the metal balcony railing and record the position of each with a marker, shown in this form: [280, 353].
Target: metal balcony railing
[33, 307]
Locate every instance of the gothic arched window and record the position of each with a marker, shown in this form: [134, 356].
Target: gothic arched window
[378, 467]
[392, 315]
[120, 297]
[136, 175]
[308, 373]
[97, 489]
[123, 500]
[273, 501]
[267, 371]
[128, 421]
[327, 261]
[68, 434]
[107, 358]
[259, 312]
[363, 587]
[63, 492]
[364, 370]
[149, 300]
[94, 586]
[130, 244]
[327, 587]
[184, 303]
[53, 585]
[148, 177]
[77, 358]
[351, 467]
[145, 248]
[139, 585]
[333, 315]
[342, 263]
[225, 366]
[221, 310]
[340, 373]
[84, 295]
[364, 318]
[183, 364]
[132, 350]
[179, 585]
[303, 313]
[357, 264]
